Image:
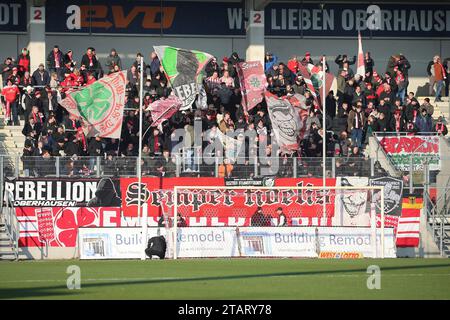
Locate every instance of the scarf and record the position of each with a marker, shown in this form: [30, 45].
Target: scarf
[397, 124]
[156, 147]
[82, 138]
[90, 56]
[56, 57]
[439, 128]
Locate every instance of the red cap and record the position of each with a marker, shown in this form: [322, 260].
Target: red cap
[225, 59]
[307, 54]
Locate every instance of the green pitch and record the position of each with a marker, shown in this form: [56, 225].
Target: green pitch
[227, 279]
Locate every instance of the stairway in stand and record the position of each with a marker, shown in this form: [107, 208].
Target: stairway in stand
[11, 146]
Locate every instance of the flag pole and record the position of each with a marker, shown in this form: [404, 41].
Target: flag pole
[324, 138]
[142, 220]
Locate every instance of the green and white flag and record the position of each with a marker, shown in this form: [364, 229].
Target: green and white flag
[99, 106]
[184, 70]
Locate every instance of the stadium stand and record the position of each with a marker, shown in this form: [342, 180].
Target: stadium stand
[385, 106]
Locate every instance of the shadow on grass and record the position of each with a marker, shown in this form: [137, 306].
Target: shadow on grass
[62, 291]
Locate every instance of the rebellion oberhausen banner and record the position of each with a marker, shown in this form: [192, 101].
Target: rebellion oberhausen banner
[184, 71]
[63, 192]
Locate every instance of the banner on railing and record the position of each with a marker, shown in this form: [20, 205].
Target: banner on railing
[51, 225]
[196, 242]
[401, 149]
[223, 206]
[63, 192]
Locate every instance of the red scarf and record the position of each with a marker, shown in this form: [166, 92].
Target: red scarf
[441, 129]
[156, 147]
[55, 56]
[397, 124]
[37, 117]
[90, 56]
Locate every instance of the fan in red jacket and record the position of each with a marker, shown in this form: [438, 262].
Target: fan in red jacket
[23, 61]
[10, 93]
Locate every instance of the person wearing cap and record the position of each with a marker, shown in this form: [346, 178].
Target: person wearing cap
[211, 67]
[269, 60]
[55, 62]
[235, 59]
[10, 94]
[23, 61]
[40, 77]
[113, 60]
[307, 59]
[27, 101]
[440, 128]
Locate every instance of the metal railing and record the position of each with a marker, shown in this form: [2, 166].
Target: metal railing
[179, 165]
[9, 219]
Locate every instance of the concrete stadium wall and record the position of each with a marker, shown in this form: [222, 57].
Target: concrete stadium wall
[419, 52]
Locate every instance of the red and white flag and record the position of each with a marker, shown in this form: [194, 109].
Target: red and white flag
[163, 109]
[408, 229]
[361, 68]
[307, 78]
[253, 83]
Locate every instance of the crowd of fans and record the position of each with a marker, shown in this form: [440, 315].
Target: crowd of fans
[375, 102]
